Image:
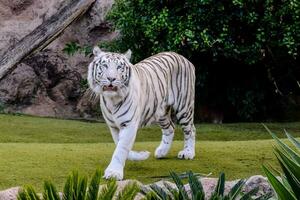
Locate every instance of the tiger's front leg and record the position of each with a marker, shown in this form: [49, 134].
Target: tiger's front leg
[126, 139]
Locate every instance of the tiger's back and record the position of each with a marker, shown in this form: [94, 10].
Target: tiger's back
[167, 82]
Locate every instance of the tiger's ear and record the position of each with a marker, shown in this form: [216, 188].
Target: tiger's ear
[128, 54]
[97, 51]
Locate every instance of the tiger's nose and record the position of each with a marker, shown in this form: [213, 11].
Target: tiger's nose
[111, 79]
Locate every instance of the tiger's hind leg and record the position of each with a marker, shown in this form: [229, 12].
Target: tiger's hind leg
[186, 121]
[167, 127]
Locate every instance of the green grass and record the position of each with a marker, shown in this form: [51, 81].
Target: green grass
[31, 163]
[33, 149]
[28, 129]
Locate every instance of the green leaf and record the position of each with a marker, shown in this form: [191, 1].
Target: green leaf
[50, 192]
[32, 194]
[151, 196]
[196, 187]
[289, 163]
[108, 191]
[179, 185]
[93, 188]
[28, 193]
[291, 171]
[236, 189]
[129, 192]
[285, 147]
[293, 140]
[68, 188]
[82, 188]
[219, 190]
[75, 181]
[22, 195]
[173, 191]
[279, 188]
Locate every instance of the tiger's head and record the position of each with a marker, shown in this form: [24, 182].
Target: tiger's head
[109, 73]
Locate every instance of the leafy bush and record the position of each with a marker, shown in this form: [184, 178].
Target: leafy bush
[289, 159]
[245, 52]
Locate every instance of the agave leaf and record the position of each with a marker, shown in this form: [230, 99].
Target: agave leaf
[285, 147]
[293, 140]
[281, 190]
[183, 194]
[219, 190]
[292, 166]
[82, 188]
[196, 186]
[172, 191]
[22, 195]
[68, 188]
[28, 193]
[236, 189]
[32, 194]
[93, 188]
[108, 191]
[50, 192]
[75, 181]
[151, 196]
[129, 192]
[289, 167]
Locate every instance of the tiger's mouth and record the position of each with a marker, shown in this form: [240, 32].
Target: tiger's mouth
[110, 88]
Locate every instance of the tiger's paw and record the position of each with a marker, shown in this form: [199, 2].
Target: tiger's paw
[186, 154]
[161, 151]
[114, 173]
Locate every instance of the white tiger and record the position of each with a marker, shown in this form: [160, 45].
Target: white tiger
[133, 96]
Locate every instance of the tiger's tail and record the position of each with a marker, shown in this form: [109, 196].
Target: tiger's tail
[138, 155]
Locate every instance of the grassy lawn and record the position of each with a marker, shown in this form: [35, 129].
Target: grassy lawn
[33, 149]
[28, 129]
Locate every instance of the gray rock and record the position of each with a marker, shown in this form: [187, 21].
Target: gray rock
[50, 83]
[261, 182]
[9, 194]
[43, 85]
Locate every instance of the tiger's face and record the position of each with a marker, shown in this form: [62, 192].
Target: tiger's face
[109, 73]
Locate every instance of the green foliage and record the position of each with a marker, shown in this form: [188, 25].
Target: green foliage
[77, 188]
[28, 193]
[71, 48]
[235, 29]
[289, 159]
[197, 192]
[74, 47]
[244, 51]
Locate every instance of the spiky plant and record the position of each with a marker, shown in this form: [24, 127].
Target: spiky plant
[289, 159]
[196, 190]
[77, 188]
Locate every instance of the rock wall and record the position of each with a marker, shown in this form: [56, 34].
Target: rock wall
[51, 83]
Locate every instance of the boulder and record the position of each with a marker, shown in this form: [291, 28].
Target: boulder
[50, 82]
[43, 85]
[9, 194]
